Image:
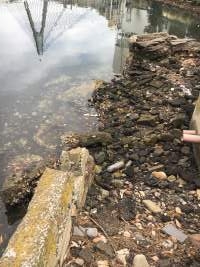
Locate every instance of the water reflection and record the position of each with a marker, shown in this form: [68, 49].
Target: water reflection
[77, 41]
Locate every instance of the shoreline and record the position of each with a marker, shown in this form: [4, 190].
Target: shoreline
[184, 6]
[146, 177]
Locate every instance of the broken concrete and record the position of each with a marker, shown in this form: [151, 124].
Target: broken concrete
[42, 238]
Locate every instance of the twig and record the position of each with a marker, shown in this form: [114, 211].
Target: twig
[104, 232]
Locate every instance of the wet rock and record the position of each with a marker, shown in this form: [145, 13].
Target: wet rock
[23, 173]
[105, 248]
[86, 140]
[140, 261]
[153, 207]
[116, 166]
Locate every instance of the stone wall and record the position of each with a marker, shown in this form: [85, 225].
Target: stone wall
[43, 236]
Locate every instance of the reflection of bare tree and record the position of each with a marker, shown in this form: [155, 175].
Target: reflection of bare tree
[155, 18]
[38, 36]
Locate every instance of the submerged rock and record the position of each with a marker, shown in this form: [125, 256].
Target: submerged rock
[86, 140]
[23, 173]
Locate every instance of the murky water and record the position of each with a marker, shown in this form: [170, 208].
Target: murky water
[50, 54]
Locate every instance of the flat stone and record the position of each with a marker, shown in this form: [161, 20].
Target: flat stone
[170, 229]
[152, 206]
[116, 166]
[140, 261]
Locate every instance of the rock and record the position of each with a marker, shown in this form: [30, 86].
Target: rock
[140, 239]
[127, 208]
[159, 175]
[178, 210]
[95, 139]
[185, 150]
[122, 256]
[105, 248]
[129, 171]
[156, 83]
[153, 207]
[158, 151]
[23, 174]
[195, 239]
[102, 264]
[86, 139]
[86, 255]
[92, 232]
[127, 234]
[116, 166]
[100, 157]
[170, 229]
[147, 119]
[178, 120]
[140, 261]
[104, 193]
[168, 244]
[79, 231]
[198, 194]
[100, 238]
[157, 167]
[79, 261]
[171, 178]
[117, 183]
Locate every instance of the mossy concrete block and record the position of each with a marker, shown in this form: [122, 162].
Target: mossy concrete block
[195, 124]
[43, 236]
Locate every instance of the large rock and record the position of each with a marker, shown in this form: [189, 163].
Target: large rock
[43, 236]
[22, 175]
[86, 140]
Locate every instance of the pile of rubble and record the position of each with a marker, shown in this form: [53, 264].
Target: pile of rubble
[143, 209]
